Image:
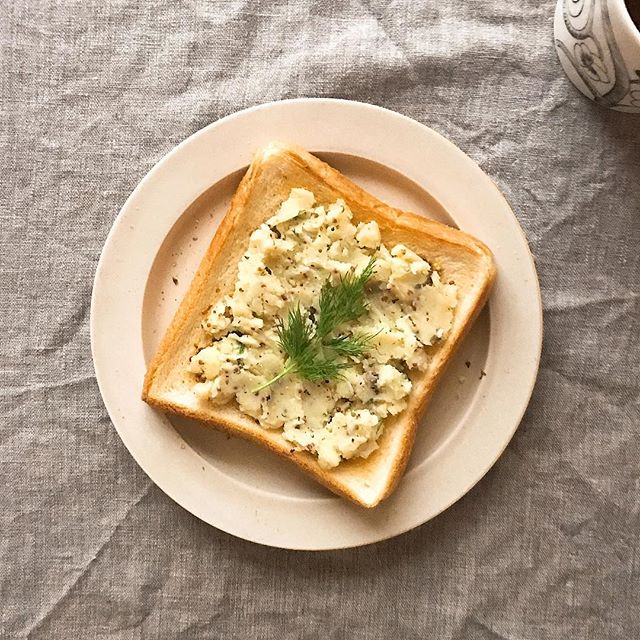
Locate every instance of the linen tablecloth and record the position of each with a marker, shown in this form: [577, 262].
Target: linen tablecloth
[92, 95]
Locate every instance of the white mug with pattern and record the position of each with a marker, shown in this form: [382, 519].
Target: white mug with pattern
[598, 44]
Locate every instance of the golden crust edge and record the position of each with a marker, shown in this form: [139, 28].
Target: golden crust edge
[189, 302]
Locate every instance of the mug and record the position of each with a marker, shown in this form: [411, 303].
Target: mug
[598, 44]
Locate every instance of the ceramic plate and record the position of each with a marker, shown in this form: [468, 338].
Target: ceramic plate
[152, 253]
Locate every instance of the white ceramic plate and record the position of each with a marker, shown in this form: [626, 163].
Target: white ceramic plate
[163, 231]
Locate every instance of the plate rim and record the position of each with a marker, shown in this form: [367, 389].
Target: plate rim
[173, 489]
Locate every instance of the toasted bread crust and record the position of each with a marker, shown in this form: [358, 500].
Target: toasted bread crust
[469, 261]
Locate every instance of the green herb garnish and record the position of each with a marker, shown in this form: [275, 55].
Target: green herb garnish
[343, 302]
[313, 351]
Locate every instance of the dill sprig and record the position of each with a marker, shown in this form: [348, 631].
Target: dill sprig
[343, 302]
[313, 352]
[353, 346]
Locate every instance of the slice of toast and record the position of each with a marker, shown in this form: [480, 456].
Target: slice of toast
[273, 172]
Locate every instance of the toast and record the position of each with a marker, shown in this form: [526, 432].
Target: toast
[273, 172]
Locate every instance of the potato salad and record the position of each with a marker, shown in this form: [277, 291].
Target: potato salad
[284, 347]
